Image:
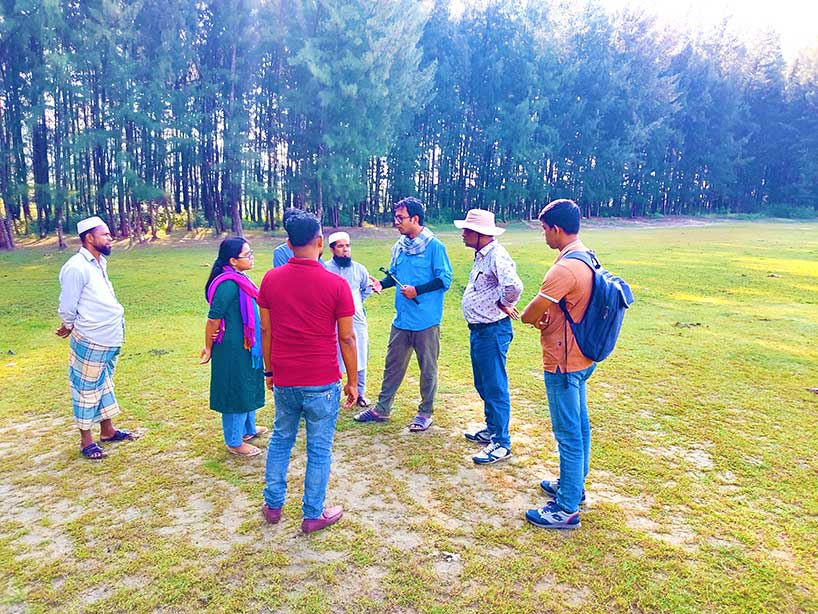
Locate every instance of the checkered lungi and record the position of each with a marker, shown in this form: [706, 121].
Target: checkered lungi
[90, 376]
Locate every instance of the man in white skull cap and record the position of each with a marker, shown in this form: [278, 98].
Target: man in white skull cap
[94, 320]
[361, 285]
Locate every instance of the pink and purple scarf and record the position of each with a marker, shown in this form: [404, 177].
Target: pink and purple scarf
[251, 324]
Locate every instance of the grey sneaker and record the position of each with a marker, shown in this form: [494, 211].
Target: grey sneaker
[551, 516]
[491, 454]
[550, 488]
[482, 436]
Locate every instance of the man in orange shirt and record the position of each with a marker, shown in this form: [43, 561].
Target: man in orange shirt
[565, 368]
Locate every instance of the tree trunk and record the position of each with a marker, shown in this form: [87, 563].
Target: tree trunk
[168, 214]
[236, 215]
[152, 213]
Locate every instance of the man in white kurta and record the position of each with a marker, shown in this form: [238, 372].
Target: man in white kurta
[359, 282]
[92, 317]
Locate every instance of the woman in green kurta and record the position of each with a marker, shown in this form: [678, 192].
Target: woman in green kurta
[233, 341]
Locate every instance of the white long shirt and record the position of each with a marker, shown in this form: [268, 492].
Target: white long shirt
[87, 300]
[357, 277]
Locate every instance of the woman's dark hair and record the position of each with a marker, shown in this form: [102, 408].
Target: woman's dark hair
[229, 248]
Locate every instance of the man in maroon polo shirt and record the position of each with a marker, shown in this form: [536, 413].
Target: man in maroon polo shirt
[302, 305]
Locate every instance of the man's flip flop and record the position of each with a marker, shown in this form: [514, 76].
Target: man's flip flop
[420, 423]
[118, 436]
[259, 431]
[93, 451]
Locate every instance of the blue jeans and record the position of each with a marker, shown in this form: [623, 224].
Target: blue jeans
[235, 426]
[489, 347]
[572, 430]
[319, 406]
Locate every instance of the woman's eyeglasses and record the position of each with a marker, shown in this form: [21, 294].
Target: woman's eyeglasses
[247, 255]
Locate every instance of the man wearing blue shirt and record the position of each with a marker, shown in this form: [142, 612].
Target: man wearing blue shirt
[421, 270]
[283, 253]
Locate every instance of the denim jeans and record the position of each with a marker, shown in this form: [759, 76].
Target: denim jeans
[426, 344]
[489, 346]
[235, 426]
[572, 430]
[319, 406]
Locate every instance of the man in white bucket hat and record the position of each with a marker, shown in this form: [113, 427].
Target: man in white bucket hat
[488, 307]
[93, 318]
[359, 282]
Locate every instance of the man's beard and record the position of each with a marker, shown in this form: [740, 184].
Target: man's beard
[343, 261]
[105, 250]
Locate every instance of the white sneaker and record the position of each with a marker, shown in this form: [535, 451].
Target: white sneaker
[491, 454]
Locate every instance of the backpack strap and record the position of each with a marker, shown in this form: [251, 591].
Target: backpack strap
[590, 259]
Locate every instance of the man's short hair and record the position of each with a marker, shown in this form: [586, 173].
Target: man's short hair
[563, 213]
[85, 234]
[289, 212]
[303, 229]
[413, 207]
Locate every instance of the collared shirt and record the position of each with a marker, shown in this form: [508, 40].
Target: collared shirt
[88, 304]
[414, 270]
[572, 280]
[282, 255]
[357, 277]
[305, 303]
[493, 278]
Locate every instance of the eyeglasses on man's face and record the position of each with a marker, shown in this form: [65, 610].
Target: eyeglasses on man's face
[400, 218]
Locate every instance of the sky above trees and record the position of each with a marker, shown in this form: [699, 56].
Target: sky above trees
[796, 21]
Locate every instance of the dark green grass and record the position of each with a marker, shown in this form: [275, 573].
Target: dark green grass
[702, 493]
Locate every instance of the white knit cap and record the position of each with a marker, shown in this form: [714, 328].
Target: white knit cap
[337, 236]
[89, 224]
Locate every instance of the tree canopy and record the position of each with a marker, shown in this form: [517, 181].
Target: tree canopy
[224, 113]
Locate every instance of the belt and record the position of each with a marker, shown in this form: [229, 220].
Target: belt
[481, 325]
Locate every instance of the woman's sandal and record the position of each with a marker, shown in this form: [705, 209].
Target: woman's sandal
[254, 452]
[259, 431]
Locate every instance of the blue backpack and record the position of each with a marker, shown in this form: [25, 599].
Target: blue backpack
[596, 334]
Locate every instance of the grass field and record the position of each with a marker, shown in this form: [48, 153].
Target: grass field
[703, 491]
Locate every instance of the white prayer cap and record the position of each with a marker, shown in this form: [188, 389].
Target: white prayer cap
[89, 224]
[337, 236]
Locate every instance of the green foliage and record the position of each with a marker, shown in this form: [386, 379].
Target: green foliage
[237, 109]
[791, 211]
